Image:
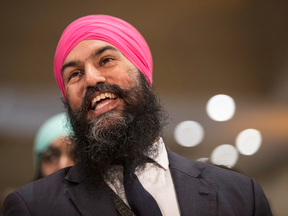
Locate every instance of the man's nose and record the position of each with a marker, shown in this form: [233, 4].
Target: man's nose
[92, 76]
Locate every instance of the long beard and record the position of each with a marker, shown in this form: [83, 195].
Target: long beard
[116, 135]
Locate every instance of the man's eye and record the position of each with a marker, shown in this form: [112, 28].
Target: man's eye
[105, 61]
[74, 74]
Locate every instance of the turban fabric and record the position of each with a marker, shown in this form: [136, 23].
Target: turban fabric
[106, 28]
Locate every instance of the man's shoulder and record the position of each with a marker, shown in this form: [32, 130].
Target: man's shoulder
[206, 170]
[225, 180]
[232, 187]
[38, 197]
[209, 172]
[48, 183]
[221, 173]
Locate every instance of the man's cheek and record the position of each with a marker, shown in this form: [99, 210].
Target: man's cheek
[71, 104]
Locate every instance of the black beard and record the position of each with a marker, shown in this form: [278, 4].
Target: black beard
[116, 135]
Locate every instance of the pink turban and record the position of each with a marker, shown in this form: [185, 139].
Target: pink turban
[110, 29]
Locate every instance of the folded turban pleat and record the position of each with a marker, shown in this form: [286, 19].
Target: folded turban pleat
[106, 28]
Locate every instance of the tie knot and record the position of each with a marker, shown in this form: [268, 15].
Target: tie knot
[130, 166]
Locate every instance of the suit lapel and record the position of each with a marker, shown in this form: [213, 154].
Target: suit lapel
[196, 196]
[89, 199]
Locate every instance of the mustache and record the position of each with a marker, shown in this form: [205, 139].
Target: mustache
[103, 87]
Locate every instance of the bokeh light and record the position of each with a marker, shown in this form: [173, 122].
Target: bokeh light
[248, 141]
[220, 107]
[189, 133]
[224, 155]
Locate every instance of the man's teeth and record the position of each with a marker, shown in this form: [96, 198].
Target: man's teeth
[101, 105]
[102, 96]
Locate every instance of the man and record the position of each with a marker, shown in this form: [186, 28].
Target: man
[103, 67]
[50, 146]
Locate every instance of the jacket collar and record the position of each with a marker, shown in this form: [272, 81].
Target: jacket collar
[184, 165]
[88, 198]
[196, 196]
[75, 174]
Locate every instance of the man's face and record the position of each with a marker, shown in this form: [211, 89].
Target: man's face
[124, 124]
[91, 62]
[55, 157]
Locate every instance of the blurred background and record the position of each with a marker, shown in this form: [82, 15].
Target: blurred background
[200, 49]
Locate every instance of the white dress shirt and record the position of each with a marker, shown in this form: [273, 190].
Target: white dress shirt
[156, 180]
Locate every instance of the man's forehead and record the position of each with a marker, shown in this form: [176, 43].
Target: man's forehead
[92, 47]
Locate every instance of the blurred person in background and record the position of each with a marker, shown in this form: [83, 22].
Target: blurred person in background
[50, 146]
[103, 67]
[50, 149]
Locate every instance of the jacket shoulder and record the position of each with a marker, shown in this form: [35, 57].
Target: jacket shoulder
[46, 196]
[235, 193]
[220, 174]
[233, 187]
[44, 185]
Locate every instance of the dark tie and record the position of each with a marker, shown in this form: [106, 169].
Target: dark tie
[141, 202]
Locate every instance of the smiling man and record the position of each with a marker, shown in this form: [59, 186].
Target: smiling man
[103, 67]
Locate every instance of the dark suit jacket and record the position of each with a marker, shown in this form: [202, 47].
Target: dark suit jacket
[201, 190]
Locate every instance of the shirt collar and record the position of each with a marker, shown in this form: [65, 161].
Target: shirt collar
[162, 158]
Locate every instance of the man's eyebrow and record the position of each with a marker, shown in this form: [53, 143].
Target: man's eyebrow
[103, 49]
[96, 53]
[68, 64]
